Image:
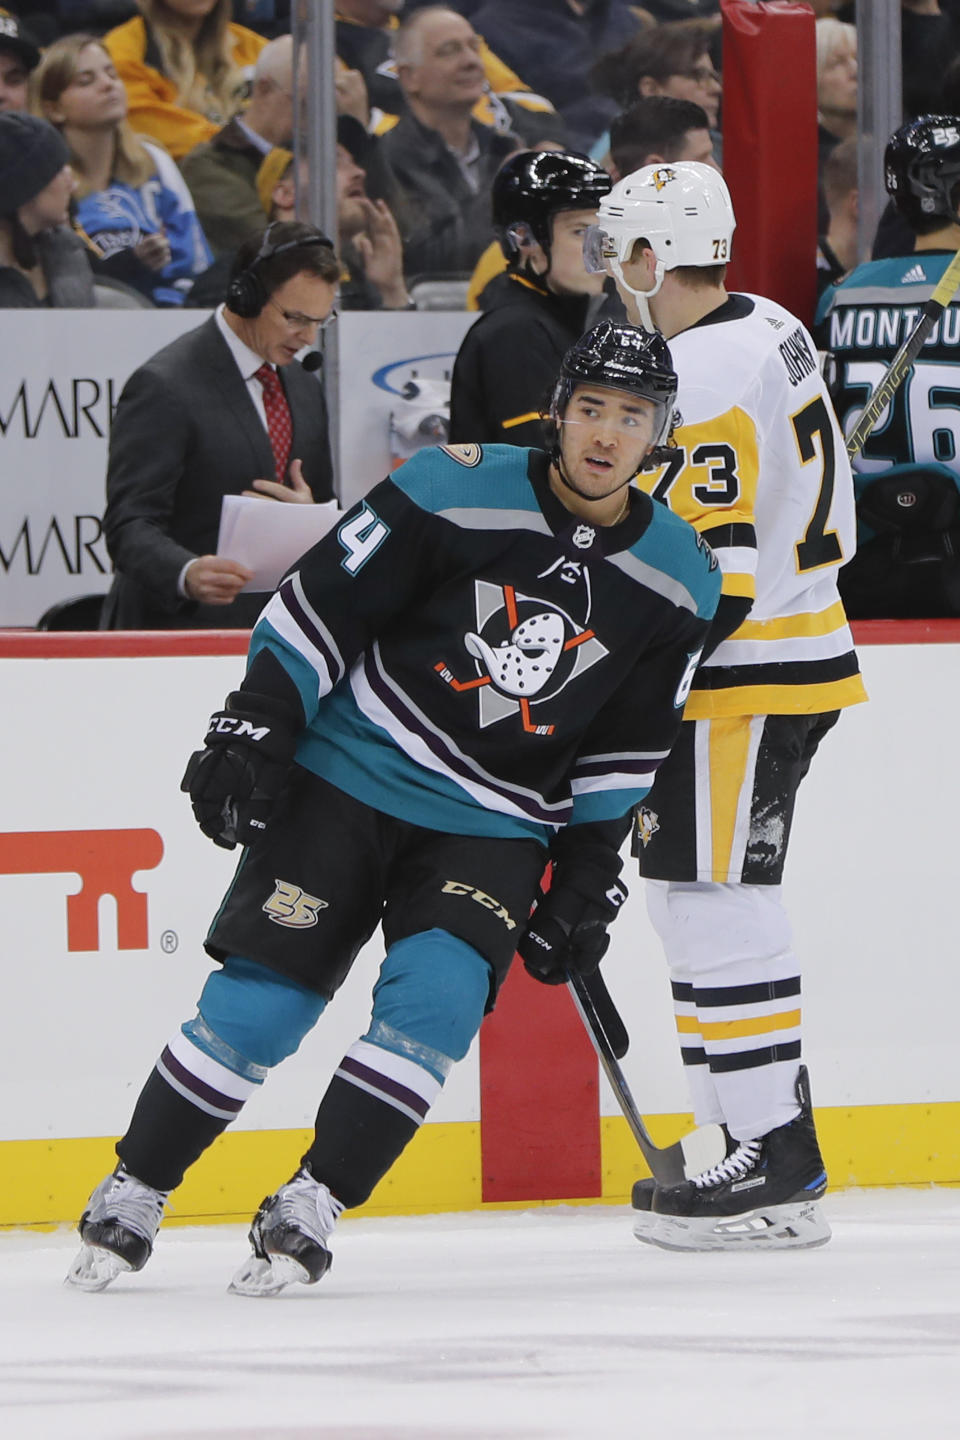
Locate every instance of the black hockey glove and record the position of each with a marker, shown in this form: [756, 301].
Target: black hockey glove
[568, 931]
[235, 779]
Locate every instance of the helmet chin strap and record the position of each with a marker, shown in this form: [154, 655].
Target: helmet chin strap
[642, 297]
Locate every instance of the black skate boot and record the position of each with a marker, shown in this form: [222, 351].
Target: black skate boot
[762, 1196]
[645, 1221]
[118, 1229]
[289, 1235]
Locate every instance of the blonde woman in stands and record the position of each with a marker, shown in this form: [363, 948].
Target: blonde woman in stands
[131, 201]
[186, 68]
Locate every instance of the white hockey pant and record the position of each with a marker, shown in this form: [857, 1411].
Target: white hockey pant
[735, 979]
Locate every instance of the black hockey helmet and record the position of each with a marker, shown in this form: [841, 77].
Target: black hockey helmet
[921, 168]
[531, 186]
[619, 357]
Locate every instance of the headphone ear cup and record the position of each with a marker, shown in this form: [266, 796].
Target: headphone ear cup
[246, 296]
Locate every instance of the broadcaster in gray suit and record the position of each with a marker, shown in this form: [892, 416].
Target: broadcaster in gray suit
[224, 410]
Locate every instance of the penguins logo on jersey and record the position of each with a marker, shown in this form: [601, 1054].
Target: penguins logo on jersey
[525, 651]
[648, 823]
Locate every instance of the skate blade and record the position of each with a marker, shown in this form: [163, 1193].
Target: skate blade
[644, 1225]
[262, 1278]
[781, 1227]
[94, 1268]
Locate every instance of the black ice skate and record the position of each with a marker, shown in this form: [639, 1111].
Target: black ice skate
[118, 1229]
[289, 1235]
[714, 1142]
[762, 1196]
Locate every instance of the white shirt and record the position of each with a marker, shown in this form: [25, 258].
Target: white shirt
[262, 145]
[248, 363]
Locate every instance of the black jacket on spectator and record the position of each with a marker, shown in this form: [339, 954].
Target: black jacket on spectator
[509, 360]
[364, 48]
[185, 434]
[65, 262]
[446, 226]
[553, 50]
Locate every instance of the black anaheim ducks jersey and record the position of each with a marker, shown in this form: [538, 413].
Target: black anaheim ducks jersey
[472, 658]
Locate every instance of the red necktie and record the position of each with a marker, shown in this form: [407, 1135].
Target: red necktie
[279, 423]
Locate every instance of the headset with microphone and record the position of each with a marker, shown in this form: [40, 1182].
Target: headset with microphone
[247, 294]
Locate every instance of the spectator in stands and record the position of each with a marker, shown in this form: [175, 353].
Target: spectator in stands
[42, 260]
[837, 249]
[543, 204]
[929, 42]
[210, 416]
[659, 129]
[368, 239]
[673, 60]
[553, 44]
[366, 30]
[443, 160]
[186, 69]
[836, 97]
[222, 171]
[18, 56]
[908, 471]
[132, 202]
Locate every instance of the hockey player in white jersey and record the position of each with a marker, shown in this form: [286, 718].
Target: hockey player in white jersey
[761, 471]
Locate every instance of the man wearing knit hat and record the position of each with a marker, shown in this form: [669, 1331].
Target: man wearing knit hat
[18, 56]
[42, 261]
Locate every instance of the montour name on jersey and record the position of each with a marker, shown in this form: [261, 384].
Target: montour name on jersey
[871, 327]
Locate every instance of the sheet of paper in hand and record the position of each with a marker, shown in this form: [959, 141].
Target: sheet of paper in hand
[268, 536]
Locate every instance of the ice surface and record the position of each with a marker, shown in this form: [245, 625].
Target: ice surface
[543, 1324]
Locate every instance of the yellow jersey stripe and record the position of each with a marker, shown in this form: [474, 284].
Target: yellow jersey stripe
[775, 699]
[791, 627]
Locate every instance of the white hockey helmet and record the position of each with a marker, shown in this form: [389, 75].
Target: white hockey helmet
[683, 210]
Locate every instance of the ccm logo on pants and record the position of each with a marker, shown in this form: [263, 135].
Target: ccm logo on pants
[455, 887]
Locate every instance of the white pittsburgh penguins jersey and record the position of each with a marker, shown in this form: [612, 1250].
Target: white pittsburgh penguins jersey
[761, 471]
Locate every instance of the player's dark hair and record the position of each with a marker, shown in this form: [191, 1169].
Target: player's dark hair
[654, 125]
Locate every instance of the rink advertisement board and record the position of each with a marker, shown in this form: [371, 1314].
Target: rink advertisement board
[62, 375]
[107, 888]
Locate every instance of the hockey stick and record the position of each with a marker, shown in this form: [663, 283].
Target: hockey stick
[905, 356]
[608, 1015]
[666, 1164]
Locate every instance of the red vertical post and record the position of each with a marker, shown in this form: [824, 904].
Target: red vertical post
[770, 149]
[539, 1096]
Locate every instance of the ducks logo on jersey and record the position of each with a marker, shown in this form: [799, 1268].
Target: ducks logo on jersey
[525, 650]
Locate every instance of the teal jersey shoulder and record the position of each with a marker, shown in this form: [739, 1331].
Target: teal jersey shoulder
[446, 478]
[898, 280]
[672, 547]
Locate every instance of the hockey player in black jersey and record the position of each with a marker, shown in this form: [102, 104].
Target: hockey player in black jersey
[543, 203]
[480, 669]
